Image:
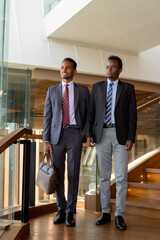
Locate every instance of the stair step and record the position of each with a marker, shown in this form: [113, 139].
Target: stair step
[152, 170]
[144, 185]
[152, 178]
[140, 206]
[141, 202]
[145, 190]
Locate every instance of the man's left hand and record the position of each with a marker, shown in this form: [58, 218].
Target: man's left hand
[129, 145]
[84, 140]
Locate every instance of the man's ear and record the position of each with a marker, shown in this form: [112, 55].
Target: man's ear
[120, 70]
[75, 71]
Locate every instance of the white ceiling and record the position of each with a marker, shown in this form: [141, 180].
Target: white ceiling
[130, 25]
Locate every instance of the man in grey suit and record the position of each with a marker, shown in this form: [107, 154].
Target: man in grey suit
[111, 124]
[63, 132]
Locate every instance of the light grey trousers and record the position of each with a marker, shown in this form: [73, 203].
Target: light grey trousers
[107, 147]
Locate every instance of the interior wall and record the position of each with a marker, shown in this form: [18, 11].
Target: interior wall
[29, 47]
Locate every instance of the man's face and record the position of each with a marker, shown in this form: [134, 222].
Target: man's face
[67, 71]
[113, 70]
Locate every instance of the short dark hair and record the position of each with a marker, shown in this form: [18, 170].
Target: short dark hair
[70, 60]
[112, 57]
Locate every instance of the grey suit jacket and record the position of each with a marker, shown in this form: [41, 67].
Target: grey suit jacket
[53, 111]
[125, 112]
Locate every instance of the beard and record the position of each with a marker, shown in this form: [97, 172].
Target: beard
[110, 77]
[67, 77]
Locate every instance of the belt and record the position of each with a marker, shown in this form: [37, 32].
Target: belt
[109, 126]
[71, 126]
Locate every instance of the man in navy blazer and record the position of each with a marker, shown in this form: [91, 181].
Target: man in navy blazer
[61, 139]
[111, 125]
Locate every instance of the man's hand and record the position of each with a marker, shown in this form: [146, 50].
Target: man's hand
[84, 139]
[47, 147]
[90, 142]
[129, 145]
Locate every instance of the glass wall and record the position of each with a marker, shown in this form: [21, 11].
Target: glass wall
[6, 164]
[4, 36]
[18, 99]
[15, 104]
[49, 5]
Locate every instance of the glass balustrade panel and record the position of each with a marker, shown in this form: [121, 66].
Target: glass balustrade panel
[9, 184]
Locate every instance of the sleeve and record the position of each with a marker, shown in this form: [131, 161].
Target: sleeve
[132, 115]
[90, 115]
[47, 118]
[87, 96]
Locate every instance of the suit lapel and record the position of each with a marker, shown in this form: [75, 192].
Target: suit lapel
[59, 94]
[76, 96]
[104, 92]
[119, 90]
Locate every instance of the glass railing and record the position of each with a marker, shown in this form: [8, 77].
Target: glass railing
[148, 130]
[8, 180]
[88, 171]
[49, 5]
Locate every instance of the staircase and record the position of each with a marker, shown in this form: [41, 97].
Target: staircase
[143, 196]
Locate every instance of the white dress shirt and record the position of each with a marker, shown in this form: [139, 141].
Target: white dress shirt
[71, 101]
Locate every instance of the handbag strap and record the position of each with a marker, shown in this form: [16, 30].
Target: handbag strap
[49, 158]
[51, 155]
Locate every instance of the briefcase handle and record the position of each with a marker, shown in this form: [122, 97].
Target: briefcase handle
[49, 158]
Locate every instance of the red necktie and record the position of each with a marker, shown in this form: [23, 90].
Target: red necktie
[65, 120]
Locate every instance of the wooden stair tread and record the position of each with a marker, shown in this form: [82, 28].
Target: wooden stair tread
[154, 186]
[152, 170]
[141, 202]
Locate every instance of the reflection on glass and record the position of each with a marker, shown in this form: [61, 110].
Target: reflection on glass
[49, 5]
[148, 130]
[4, 36]
[88, 180]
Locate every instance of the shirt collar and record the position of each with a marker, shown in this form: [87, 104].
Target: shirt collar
[114, 83]
[70, 83]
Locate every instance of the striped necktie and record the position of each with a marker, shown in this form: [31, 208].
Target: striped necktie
[65, 120]
[107, 119]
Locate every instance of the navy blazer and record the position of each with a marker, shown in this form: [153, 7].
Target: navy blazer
[53, 111]
[125, 112]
